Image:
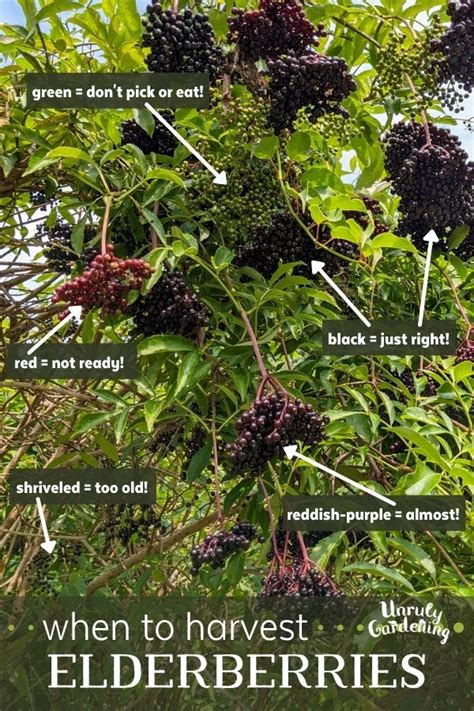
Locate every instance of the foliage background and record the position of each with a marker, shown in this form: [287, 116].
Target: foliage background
[77, 156]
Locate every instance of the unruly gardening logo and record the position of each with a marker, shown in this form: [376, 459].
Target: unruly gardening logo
[402, 619]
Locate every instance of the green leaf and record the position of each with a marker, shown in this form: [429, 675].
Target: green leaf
[316, 213]
[379, 571]
[127, 10]
[299, 145]
[323, 551]
[159, 344]
[462, 371]
[68, 152]
[235, 568]
[266, 147]
[199, 462]
[416, 552]
[89, 421]
[77, 235]
[422, 445]
[151, 411]
[222, 258]
[389, 241]
[165, 174]
[344, 202]
[54, 8]
[108, 448]
[186, 370]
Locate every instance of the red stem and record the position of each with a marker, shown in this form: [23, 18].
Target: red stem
[105, 225]
[220, 515]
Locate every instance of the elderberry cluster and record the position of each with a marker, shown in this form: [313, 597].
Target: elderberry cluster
[465, 352]
[180, 42]
[273, 422]
[161, 140]
[169, 307]
[59, 251]
[313, 81]
[433, 177]
[106, 284]
[456, 47]
[122, 521]
[276, 27]
[297, 582]
[126, 237]
[407, 377]
[215, 549]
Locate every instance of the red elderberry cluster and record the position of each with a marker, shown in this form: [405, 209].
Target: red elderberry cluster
[106, 284]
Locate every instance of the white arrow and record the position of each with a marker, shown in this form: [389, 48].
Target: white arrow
[431, 238]
[292, 451]
[318, 268]
[74, 312]
[48, 544]
[219, 178]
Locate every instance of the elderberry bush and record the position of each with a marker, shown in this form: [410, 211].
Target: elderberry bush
[59, 252]
[432, 176]
[215, 549]
[313, 81]
[273, 422]
[180, 42]
[456, 46]
[161, 140]
[106, 284]
[275, 28]
[169, 307]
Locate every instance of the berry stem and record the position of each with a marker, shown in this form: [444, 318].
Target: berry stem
[424, 118]
[271, 519]
[105, 225]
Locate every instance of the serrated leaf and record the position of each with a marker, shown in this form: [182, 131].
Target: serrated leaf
[416, 552]
[186, 370]
[389, 241]
[165, 174]
[299, 145]
[68, 152]
[160, 344]
[379, 571]
[89, 421]
[266, 147]
[421, 444]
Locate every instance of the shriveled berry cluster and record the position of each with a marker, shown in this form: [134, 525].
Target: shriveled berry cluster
[433, 177]
[161, 140]
[106, 284]
[169, 307]
[180, 42]
[59, 252]
[456, 46]
[313, 81]
[296, 581]
[167, 435]
[276, 27]
[465, 352]
[38, 571]
[273, 422]
[122, 521]
[215, 549]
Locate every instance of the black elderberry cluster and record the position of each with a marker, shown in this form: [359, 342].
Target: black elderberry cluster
[313, 81]
[297, 582]
[432, 176]
[58, 249]
[180, 42]
[124, 521]
[161, 140]
[215, 549]
[38, 571]
[169, 307]
[168, 435]
[465, 352]
[283, 240]
[273, 422]
[456, 47]
[374, 208]
[407, 377]
[275, 28]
